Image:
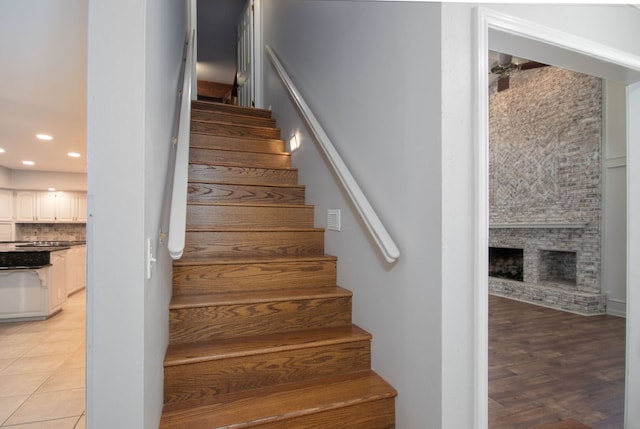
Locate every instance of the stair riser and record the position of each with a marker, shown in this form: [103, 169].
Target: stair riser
[208, 115]
[198, 380]
[217, 107]
[227, 157]
[236, 320]
[211, 192]
[253, 243]
[235, 143]
[202, 279]
[242, 175]
[213, 216]
[379, 414]
[234, 130]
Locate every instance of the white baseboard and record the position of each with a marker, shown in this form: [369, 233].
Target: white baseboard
[616, 307]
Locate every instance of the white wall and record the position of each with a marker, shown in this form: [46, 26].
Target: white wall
[135, 50]
[42, 180]
[167, 23]
[614, 204]
[375, 87]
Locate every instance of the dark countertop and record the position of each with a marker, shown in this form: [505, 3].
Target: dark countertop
[30, 255]
[20, 268]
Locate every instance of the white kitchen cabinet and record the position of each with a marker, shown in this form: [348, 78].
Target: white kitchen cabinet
[49, 207]
[76, 271]
[6, 205]
[34, 294]
[46, 207]
[81, 207]
[66, 207]
[26, 206]
[7, 231]
[57, 281]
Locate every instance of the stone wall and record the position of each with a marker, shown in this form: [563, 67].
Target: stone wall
[51, 231]
[545, 177]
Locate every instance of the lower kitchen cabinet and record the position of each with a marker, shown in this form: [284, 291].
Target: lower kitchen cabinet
[76, 271]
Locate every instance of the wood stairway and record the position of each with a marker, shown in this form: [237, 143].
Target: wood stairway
[260, 334]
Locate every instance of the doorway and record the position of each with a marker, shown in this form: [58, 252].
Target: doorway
[504, 33]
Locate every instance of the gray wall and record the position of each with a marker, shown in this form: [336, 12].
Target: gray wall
[217, 22]
[392, 83]
[133, 73]
[375, 88]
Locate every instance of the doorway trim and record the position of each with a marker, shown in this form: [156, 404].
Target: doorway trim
[506, 33]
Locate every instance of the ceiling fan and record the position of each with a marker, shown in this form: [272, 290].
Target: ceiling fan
[506, 64]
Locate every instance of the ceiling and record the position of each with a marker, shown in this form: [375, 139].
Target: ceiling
[42, 90]
[43, 47]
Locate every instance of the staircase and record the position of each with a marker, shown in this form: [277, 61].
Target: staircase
[260, 334]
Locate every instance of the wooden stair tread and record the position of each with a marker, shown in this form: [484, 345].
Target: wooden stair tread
[232, 117]
[252, 260]
[256, 140]
[259, 205]
[261, 152]
[223, 164]
[234, 125]
[231, 298]
[181, 354]
[270, 229]
[262, 185]
[238, 110]
[277, 403]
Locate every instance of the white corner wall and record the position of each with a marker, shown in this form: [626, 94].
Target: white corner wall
[134, 54]
[370, 73]
[614, 204]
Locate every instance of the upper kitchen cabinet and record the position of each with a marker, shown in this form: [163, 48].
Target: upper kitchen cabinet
[26, 203]
[49, 207]
[81, 207]
[6, 205]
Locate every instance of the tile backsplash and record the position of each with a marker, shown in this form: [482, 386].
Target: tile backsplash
[51, 231]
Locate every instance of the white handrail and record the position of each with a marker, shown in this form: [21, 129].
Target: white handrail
[178, 214]
[379, 233]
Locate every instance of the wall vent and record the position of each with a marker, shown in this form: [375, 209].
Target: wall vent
[333, 219]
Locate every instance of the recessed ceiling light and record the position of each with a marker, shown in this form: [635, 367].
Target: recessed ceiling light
[44, 137]
[74, 154]
[52, 189]
[1, 150]
[28, 162]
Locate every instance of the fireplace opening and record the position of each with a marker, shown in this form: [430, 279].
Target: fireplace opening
[557, 267]
[506, 263]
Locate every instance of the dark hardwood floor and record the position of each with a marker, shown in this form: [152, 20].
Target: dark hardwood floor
[549, 366]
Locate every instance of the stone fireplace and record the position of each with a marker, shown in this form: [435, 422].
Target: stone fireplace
[506, 263]
[545, 190]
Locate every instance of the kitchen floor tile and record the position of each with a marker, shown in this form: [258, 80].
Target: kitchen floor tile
[28, 365]
[5, 363]
[63, 379]
[21, 384]
[66, 423]
[54, 348]
[49, 406]
[9, 351]
[9, 404]
[82, 423]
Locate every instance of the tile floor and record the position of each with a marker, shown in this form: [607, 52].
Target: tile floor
[42, 370]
